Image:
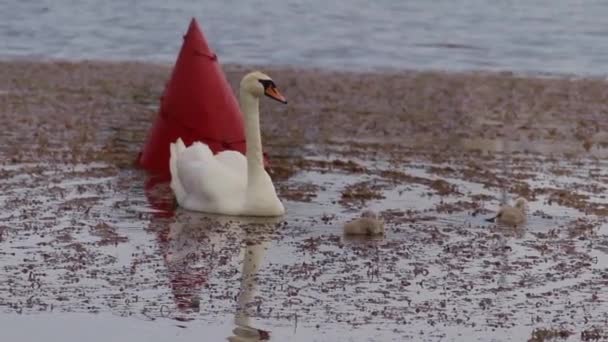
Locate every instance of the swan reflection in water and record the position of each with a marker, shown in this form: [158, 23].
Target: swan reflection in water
[254, 250]
[197, 242]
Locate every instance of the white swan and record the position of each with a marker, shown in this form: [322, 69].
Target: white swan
[228, 183]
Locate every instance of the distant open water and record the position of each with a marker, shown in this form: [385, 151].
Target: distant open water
[538, 36]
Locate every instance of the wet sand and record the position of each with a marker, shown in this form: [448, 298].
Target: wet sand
[82, 233]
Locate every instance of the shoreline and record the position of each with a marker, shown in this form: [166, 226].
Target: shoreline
[383, 70]
[416, 109]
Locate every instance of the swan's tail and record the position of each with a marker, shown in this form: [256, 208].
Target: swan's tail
[176, 185]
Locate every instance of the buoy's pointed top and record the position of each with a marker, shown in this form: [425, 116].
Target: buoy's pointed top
[193, 28]
[195, 42]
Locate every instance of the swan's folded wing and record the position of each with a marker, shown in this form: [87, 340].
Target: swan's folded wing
[209, 180]
[190, 173]
[196, 151]
[235, 161]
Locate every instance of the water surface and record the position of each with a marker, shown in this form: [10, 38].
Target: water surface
[535, 36]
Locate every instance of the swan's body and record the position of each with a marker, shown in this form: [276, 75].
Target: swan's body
[229, 183]
[511, 215]
[367, 224]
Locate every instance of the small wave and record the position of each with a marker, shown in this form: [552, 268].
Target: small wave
[450, 46]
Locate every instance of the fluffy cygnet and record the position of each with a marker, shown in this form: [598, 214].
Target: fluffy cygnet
[367, 224]
[511, 215]
[248, 334]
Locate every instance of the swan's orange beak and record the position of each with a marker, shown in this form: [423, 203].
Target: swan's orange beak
[274, 93]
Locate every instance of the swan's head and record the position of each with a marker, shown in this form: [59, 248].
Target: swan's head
[521, 204]
[258, 84]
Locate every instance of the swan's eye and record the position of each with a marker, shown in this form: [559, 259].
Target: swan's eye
[267, 84]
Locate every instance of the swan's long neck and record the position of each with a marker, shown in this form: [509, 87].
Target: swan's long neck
[255, 160]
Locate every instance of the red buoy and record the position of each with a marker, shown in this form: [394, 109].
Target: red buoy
[197, 105]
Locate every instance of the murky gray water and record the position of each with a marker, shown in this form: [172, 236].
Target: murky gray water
[552, 36]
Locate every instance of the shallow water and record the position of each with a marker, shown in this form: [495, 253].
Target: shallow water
[79, 244]
[546, 36]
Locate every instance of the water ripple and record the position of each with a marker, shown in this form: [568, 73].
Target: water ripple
[543, 36]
